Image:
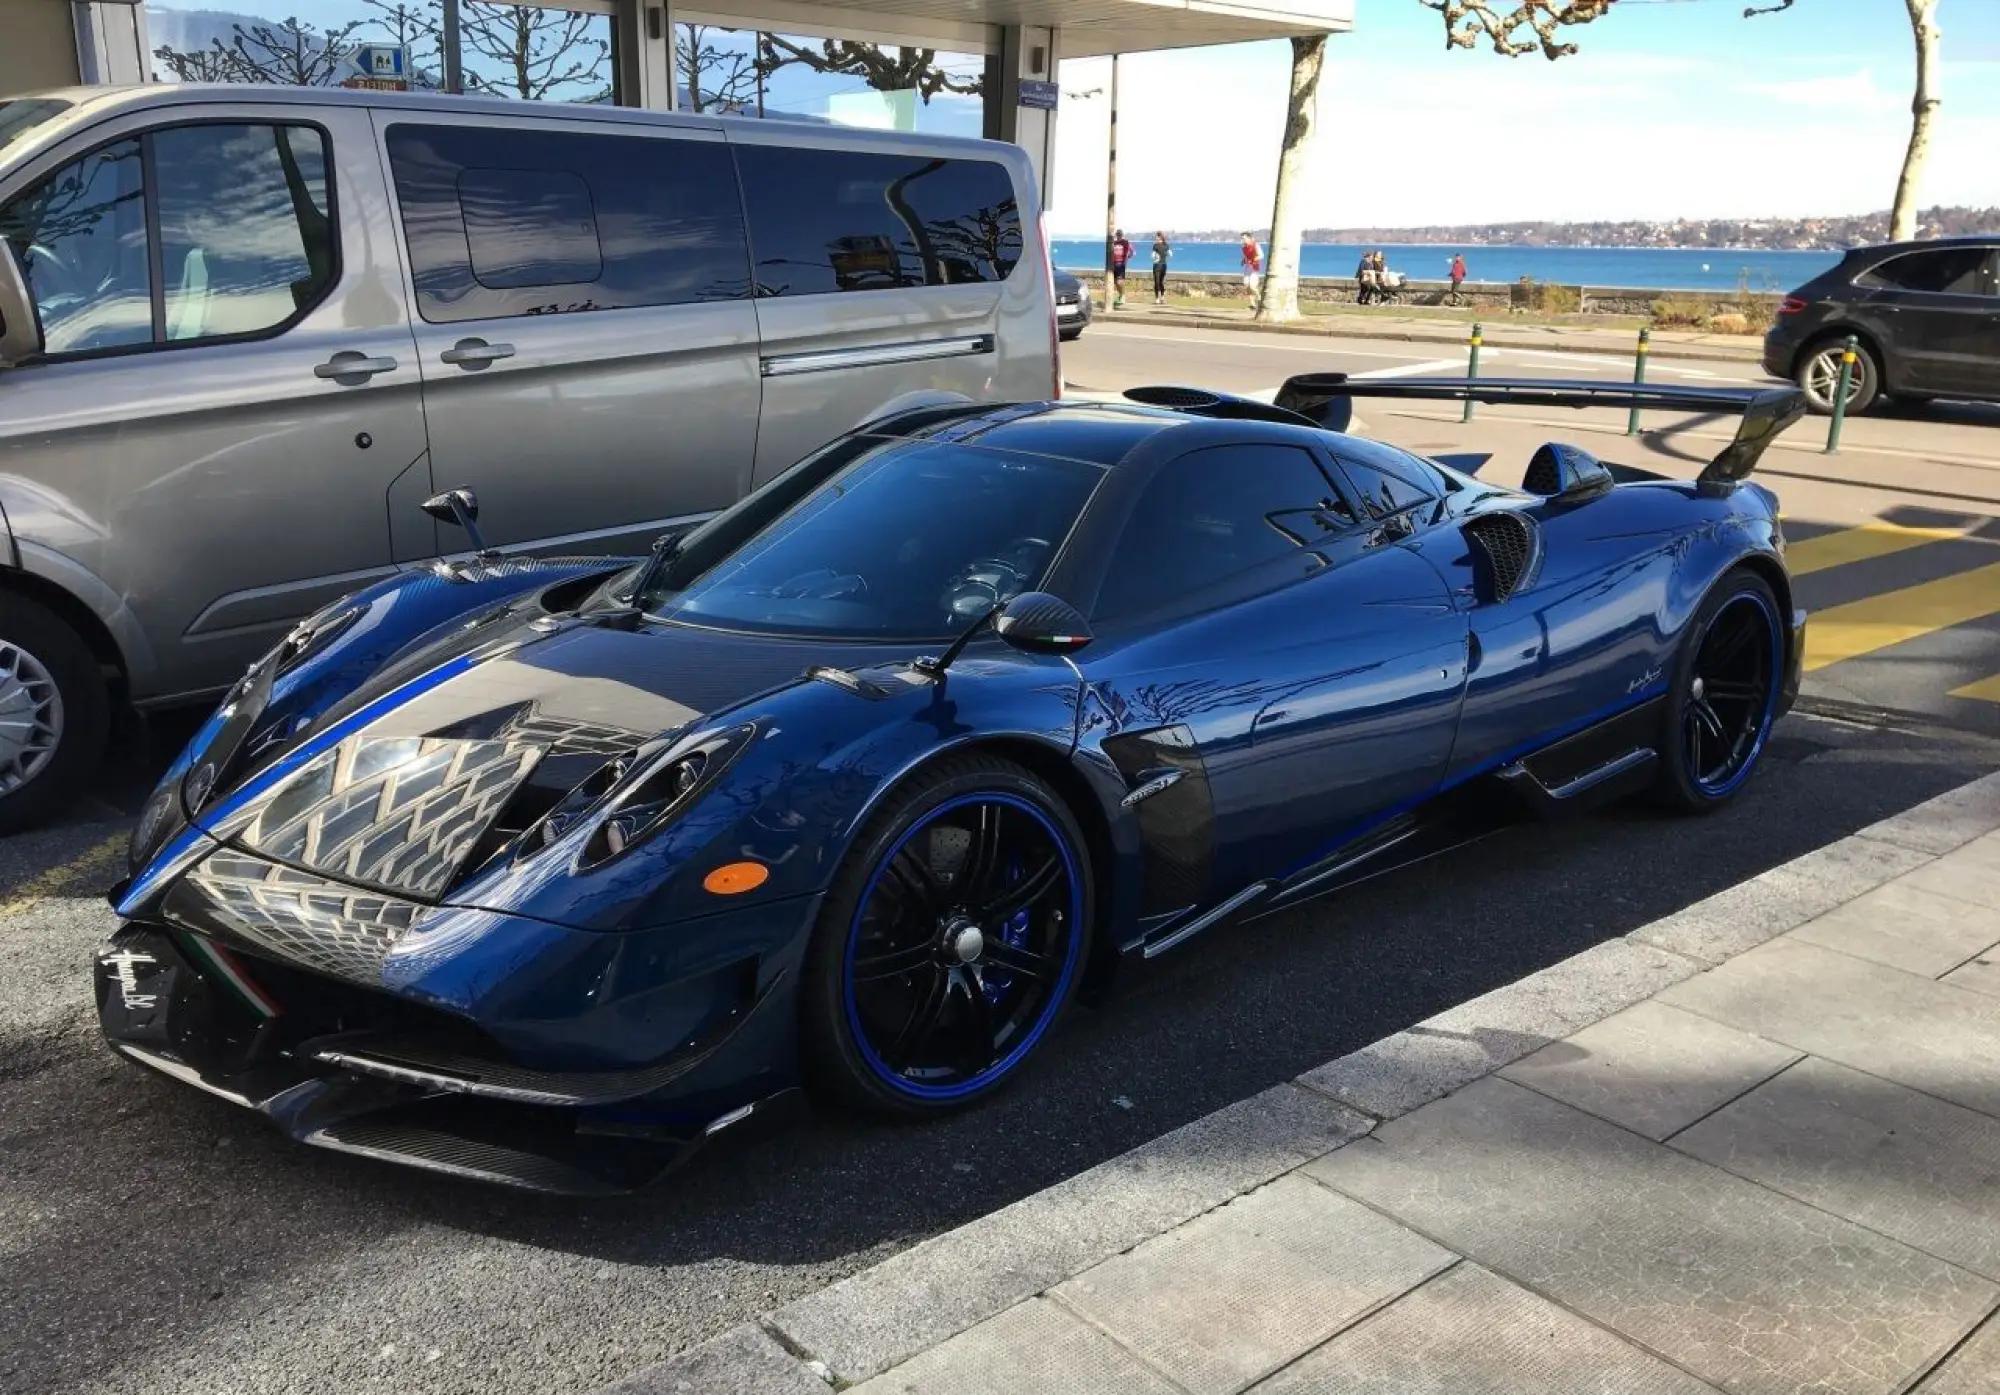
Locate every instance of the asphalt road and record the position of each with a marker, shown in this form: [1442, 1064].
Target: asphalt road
[154, 1240]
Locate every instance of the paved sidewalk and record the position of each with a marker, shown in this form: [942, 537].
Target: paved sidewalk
[1500, 331]
[1753, 1147]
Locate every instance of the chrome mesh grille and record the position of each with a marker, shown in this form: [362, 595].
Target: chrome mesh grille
[340, 931]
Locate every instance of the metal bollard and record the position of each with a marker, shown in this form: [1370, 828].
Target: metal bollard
[1638, 376]
[1472, 367]
[1840, 397]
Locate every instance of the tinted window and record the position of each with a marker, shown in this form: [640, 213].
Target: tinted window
[844, 220]
[1957, 270]
[246, 237]
[513, 221]
[915, 540]
[1212, 515]
[1418, 480]
[80, 238]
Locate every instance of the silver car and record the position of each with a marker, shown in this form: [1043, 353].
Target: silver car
[244, 332]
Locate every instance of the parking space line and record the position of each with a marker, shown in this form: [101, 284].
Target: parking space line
[1862, 627]
[1870, 540]
[1985, 690]
[91, 862]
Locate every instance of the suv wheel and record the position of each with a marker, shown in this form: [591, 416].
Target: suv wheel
[54, 712]
[1819, 376]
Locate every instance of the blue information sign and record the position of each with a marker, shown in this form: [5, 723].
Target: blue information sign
[1039, 95]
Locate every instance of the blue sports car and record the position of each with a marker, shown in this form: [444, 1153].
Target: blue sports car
[541, 872]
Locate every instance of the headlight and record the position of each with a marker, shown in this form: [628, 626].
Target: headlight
[662, 790]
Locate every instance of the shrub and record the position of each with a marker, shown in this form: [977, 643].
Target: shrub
[1729, 322]
[1528, 294]
[1680, 313]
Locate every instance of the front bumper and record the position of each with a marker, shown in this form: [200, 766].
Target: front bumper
[343, 1068]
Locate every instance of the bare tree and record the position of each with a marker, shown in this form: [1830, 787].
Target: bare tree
[1467, 22]
[417, 26]
[718, 78]
[1279, 299]
[885, 70]
[537, 53]
[288, 53]
[1923, 105]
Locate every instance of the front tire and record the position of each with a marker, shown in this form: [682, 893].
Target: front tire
[1724, 695]
[952, 939]
[1818, 377]
[54, 712]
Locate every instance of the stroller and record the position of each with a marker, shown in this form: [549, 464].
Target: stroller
[1387, 288]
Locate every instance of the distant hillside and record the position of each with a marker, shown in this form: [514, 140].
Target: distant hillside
[1772, 234]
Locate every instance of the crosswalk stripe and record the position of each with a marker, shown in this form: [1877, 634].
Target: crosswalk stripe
[1985, 690]
[1870, 540]
[1862, 627]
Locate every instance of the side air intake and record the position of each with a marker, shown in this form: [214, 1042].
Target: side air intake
[1503, 552]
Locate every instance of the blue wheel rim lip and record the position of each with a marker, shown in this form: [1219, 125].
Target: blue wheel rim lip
[999, 1070]
[1718, 788]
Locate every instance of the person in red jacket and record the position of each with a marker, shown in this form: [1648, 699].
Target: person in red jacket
[1121, 253]
[1457, 274]
[1253, 264]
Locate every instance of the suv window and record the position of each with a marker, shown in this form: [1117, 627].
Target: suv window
[246, 239]
[1947, 270]
[506, 221]
[848, 220]
[1217, 514]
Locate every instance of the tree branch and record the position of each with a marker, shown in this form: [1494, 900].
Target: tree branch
[1467, 21]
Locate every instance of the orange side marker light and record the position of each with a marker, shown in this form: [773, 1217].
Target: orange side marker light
[735, 878]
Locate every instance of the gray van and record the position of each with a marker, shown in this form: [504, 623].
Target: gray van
[245, 331]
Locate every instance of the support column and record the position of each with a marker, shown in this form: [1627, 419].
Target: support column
[111, 41]
[1026, 52]
[646, 76]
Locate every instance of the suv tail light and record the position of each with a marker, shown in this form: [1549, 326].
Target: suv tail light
[1049, 284]
[1791, 305]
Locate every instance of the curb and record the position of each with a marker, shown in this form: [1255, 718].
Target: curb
[876, 1319]
[1657, 348]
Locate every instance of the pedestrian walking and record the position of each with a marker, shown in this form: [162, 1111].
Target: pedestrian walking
[1253, 265]
[1121, 253]
[1161, 251]
[1457, 275]
[1364, 279]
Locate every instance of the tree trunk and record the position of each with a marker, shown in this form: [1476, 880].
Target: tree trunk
[1903, 213]
[1280, 298]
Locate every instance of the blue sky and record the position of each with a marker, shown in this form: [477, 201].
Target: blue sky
[1672, 108]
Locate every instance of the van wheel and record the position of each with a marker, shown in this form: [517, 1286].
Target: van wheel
[54, 712]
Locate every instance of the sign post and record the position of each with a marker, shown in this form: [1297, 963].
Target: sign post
[379, 67]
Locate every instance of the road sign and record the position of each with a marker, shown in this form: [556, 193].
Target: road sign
[1039, 96]
[381, 62]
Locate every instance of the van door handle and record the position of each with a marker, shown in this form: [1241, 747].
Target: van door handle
[476, 353]
[349, 363]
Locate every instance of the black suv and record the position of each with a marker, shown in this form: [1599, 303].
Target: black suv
[1926, 315]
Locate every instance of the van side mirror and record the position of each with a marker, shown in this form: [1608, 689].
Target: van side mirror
[460, 506]
[1038, 623]
[20, 326]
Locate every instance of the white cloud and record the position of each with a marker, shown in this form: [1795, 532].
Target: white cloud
[1848, 92]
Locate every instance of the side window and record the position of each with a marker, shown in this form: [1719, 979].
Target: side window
[1948, 270]
[246, 231]
[506, 221]
[80, 237]
[246, 237]
[1213, 515]
[847, 220]
[1384, 480]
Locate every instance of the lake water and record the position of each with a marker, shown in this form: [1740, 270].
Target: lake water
[1653, 268]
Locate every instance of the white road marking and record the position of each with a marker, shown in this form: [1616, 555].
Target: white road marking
[1417, 370]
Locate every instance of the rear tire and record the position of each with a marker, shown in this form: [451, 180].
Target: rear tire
[1818, 376]
[1723, 697]
[54, 712]
[925, 988]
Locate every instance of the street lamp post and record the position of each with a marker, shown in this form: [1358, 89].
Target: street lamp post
[1111, 188]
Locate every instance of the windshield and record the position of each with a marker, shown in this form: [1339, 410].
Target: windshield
[913, 541]
[23, 114]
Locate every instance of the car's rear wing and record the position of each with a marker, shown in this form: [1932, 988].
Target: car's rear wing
[1326, 399]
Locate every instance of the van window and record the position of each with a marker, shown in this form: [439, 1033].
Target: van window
[849, 220]
[1947, 270]
[506, 221]
[246, 238]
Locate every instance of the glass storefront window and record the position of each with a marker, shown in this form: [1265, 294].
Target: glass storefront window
[846, 82]
[530, 51]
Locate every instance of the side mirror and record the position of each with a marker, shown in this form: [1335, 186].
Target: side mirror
[460, 506]
[20, 326]
[1037, 623]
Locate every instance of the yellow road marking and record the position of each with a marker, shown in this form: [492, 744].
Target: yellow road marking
[1985, 690]
[1862, 627]
[57, 881]
[1859, 545]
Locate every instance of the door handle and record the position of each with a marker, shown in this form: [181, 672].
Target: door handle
[476, 353]
[349, 363]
